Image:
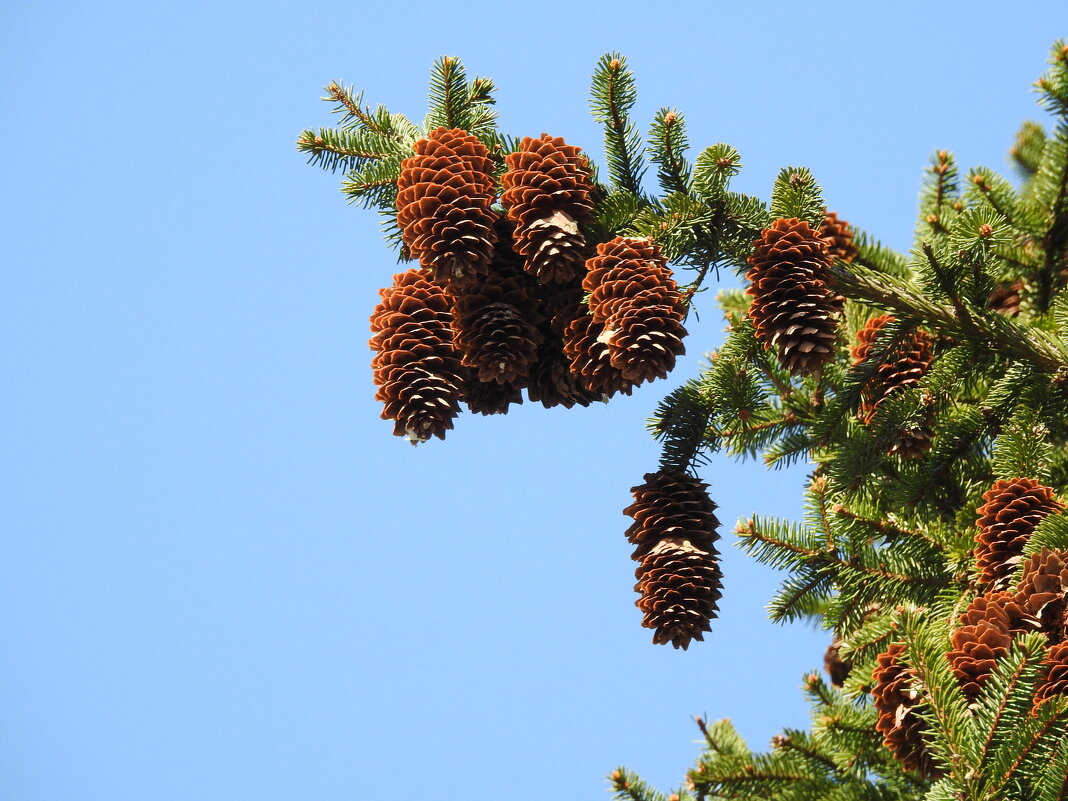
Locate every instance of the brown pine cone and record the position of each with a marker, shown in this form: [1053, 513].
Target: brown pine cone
[836, 667]
[444, 194]
[636, 301]
[983, 636]
[590, 358]
[1010, 513]
[680, 585]
[903, 367]
[547, 193]
[794, 309]
[1005, 299]
[674, 534]
[1054, 674]
[1043, 593]
[901, 727]
[495, 327]
[416, 370]
[838, 236]
[490, 397]
[552, 382]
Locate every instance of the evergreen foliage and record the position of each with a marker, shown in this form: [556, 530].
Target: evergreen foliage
[884, 556]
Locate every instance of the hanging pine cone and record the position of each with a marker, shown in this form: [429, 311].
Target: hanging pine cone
[490, 397]
[1043, 592]
[635, 299]
[547, 193]
[1005, 299]
[902, 367]
[895, 702]
[589, 356]
[495, 327]
[552, 382]
[1010, 513]
[674, 534]
[984, 635]
[838, 236]
[836, 667]
[793, 308]
[444, 194]
[417, 373]
[1054, 681]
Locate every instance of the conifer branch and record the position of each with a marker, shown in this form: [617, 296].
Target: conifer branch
[999, 334]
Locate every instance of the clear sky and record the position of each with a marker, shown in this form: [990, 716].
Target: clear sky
[221, 577]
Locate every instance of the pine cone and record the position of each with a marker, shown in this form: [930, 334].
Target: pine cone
[674, 534]
[1005, 299]
[495, 327]
[547, 193]
[1054, 674]
[836, 667]
[444, 194]
[983, 637]
[838, 236]
[895, 701]
[902, 367]
[552, 383]
[635, 299]
[590, 358]
[1043, 593]
[415, 368]
[490, 397]
[793, 308]
[1012, 510]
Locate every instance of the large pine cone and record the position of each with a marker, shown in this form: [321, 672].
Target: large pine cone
[444, 194]
[1054, 674]
[552, 381]
[895, 702]
[1043, 592]
[793, 308]
[495, 327]
[635, 299]
[490, 397]
[838, 236]
[416, 370]
[984, 636]
[589, 356]
[1009, 515]
[902, 367]
[674, 534]
[547, 193]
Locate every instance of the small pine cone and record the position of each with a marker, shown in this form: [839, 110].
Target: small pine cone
[416, 370]
[674, 534]
[1054, 674]
[1043, 592]
[495, 328]
[680, 585]
[793, 308]
[837, 667]
[1010, 513]
[984, 636]
[547, 193]
[903, 367]
[838, 236]
[895, 701]
[491, 397]
[444, 194]
[551, 381]
[1005, 299]
[635, 299]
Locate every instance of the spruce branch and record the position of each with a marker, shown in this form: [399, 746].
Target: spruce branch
[613, 95]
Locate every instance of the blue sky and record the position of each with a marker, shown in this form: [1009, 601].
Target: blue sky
[221, 577]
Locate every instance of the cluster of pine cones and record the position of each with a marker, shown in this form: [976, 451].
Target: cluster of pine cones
[1036, 601]
[512, 301]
